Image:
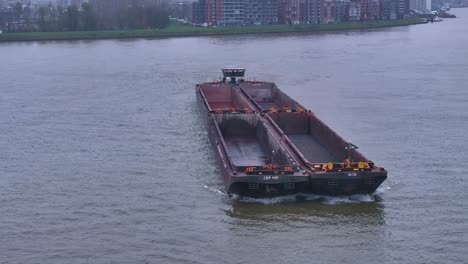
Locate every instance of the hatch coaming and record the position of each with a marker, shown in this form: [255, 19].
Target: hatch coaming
[316, 142]
[268, 97]
[251, 147]
[223, 97]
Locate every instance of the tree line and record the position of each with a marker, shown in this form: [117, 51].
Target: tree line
[98, 15]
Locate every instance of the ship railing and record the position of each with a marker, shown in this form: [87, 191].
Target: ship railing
[230, 111]
[268, 170]
[345, 166]
[285, 109]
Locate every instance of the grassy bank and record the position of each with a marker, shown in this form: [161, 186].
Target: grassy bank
[183, 31]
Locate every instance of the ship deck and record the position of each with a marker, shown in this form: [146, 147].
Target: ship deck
[222, 105]
[245, 151]
[312, 150]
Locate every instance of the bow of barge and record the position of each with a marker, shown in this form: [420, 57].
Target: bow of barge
[268, 144]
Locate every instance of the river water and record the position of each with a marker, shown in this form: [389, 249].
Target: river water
[103, 157]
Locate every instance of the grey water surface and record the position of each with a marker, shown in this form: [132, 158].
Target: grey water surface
[103, 157]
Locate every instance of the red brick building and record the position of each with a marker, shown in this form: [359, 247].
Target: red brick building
[213, 12]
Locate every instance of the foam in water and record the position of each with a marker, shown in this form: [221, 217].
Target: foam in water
[364, 198]
[269, 200]
[212, 189]
[357, 198]
[382, 189]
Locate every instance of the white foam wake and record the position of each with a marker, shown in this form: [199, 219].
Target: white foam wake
[212, 189]
[382, 189]
[325, 199]
[359, 198]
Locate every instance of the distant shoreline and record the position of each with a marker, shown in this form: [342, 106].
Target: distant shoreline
[190, 31]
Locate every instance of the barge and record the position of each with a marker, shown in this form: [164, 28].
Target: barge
[268, 144]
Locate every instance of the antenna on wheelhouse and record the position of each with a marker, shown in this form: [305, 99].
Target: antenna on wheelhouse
[350, 147]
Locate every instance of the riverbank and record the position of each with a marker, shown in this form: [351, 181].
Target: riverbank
[188, 31]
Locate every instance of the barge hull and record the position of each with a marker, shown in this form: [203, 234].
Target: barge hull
[267, 144]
